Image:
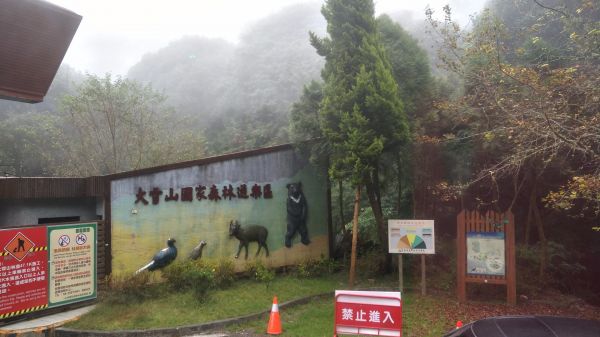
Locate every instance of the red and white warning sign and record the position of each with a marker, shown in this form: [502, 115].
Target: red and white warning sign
[23, 271]
[377, 313]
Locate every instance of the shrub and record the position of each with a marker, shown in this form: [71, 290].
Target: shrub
[371, 264]
[563, 268]
[131, 288]
[193, 275]
[261, 273]
[441, 267]
[224, 271]
[317, 267]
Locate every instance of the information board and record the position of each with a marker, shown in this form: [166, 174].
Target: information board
[72, 263]
[411, 236]
[46, 266]
[485, 253]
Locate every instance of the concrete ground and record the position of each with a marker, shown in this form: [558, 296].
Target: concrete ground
[38, 325]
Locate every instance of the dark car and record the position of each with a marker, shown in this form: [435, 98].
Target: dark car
[529, 326]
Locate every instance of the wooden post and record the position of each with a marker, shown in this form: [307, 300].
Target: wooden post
[511, 277]
[354, 238]
[423, 276]
[400, 273]
[461, 257]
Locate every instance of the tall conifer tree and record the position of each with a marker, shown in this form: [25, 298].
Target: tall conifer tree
[361, 113]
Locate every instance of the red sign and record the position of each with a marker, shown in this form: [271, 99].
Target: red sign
[23, 271]
[368, 313]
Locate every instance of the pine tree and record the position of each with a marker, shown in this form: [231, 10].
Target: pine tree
[361, 114]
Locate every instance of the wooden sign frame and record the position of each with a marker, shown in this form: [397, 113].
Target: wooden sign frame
[490, 222]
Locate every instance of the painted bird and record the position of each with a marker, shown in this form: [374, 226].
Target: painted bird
[197, 251]
[162, 258]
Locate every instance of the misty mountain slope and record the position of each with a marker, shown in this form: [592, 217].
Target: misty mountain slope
[190, 71]
[274, 59]
[203, 77]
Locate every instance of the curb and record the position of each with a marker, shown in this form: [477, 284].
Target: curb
[181, 330]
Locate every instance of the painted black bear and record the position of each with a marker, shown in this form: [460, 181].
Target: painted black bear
[297, 211]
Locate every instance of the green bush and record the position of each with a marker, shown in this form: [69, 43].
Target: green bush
[224, 272]
[563, 270]
[371, 263]
[317, 267]
[441, 266]
[193, 275]
[131, 288]
[261, 273]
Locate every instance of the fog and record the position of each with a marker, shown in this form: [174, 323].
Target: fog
[114, 34]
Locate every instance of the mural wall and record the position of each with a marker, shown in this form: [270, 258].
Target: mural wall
[199, 202]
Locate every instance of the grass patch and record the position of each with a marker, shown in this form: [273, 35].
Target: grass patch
[169, 308]
[420, 318]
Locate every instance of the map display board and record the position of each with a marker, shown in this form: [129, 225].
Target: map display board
[485, 253]
[411, 236]
[23, 271]
[72, 263]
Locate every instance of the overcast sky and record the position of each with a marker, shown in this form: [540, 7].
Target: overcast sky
[114, 34]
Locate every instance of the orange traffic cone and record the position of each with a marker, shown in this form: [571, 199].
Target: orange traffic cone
[274, 327]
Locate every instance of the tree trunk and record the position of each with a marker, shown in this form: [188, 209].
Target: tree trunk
[341, 204]
[543, 242]
[528, 222]
[373, 193]
[371, 185]
[399, 177]
[354, 238]
[540, 226]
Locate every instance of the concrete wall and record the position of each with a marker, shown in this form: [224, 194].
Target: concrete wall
[19, 213]
[139, 230]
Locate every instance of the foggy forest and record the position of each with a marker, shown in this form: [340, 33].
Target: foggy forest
[500, 114]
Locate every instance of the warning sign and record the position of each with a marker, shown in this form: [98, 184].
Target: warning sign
[19, 246]
[72, 274]
[46, 266]
[23, 271]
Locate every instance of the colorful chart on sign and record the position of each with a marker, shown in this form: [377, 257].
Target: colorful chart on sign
[411, 236]
[412, 241]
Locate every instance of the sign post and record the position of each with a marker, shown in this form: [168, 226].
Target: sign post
[376, 313]
[486, 252]
[411, 237]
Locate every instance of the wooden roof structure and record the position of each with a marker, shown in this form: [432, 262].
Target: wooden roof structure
[34, 37]
[50, 187]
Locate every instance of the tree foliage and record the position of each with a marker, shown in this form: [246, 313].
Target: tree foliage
[531, 103]
[409, 64]
[534, 96]
[113, 125]
[29, 132]
[29, 143]
[238, 131]
[361, 114]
